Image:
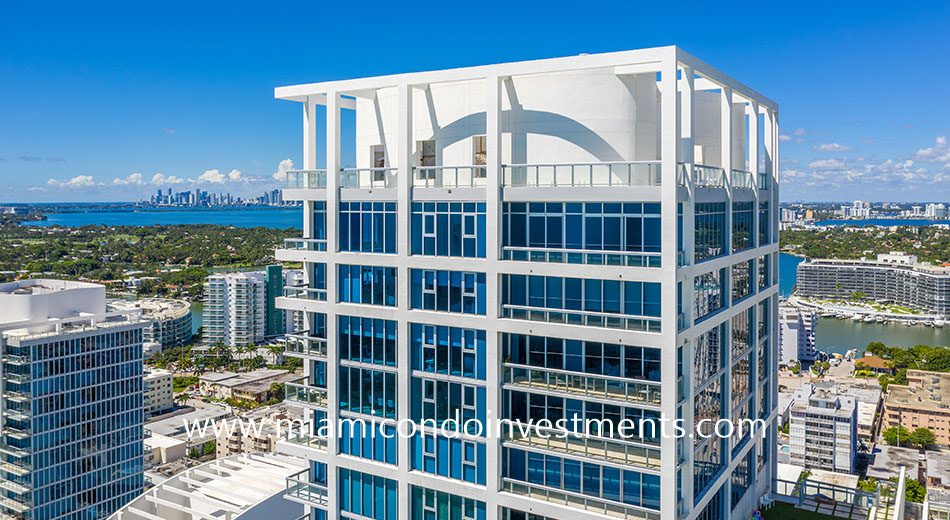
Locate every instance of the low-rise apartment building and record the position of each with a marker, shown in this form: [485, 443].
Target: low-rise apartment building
[823, 428]
[159, 397]
[248, 386]
[263, 428]
[923, 403]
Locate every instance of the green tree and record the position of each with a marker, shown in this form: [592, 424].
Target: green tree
[857, 296]
[897, 436]
[869, 484]
[922, 438]
[914, 491]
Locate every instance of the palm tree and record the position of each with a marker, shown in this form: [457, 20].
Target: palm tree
[182, 399]
[278, 351]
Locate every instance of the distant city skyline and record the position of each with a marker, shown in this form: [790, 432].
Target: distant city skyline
[106, 107]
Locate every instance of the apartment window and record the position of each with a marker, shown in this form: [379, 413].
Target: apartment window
[742, 280]
[368, 227]
[765, 223]
[763, 274]
[448, 291]
[448, 350]
[368, 440]
[710, 230]
[369, 392]
[368, 496]
[741, 332]
[590, 357]
[480, 155]
[367, 340]
[708, 356]
[742, 215]
[448, 457]
[378, 160]
[581, 294]
[367, 285]
[429, 504]
[710, 293]
[455, 229]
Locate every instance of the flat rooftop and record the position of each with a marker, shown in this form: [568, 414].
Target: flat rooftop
[932, 393]
[232, 379]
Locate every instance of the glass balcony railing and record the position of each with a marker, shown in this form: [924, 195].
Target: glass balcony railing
[300, 488]
[577, 256]
[305, 293]
[305, 244]
[588, 319]
[16, 487]
[16, 378]
[604, 387]
[597, 448]
[298, 345]
[578, 501]
[14, 359]
[302, 393]
[742, 179]
[17, 415]
[16, 467]
[764, 180]
[640, 173]
[364, 178]
[20, 505]
[306, 440]
[17, 433]
[708, 176]
[448, 176]
[307, 179]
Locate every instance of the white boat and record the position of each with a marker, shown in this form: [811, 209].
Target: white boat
[856, 317]
[869, 319]
[828, 315]
[938, 323]
[880, 319]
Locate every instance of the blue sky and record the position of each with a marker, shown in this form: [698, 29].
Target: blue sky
[110, 102]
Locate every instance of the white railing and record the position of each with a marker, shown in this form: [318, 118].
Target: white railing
[742, 179]
[307, 179]
[586, 318]
[305, 293]
[578, 501]
[305, 244]
[300, 487]
[363, 178]
[303, 345]
[448, 176]
[640, 173]
[588, 385]
[580, 256]
[300, 392]
[708, 176]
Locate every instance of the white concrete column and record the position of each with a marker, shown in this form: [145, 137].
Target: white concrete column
[333, 366]
[309, 160]
[493, 355]
[403, 210]
[669, 143]
[725, 135]
[752, 111]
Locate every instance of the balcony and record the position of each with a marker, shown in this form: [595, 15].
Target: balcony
[299, 345]
[305, 293]
[15, 487]
[16, 378]
[17, 433]
[300, 489]
[306, 440]
[584, 318]
[305, 244]
[449, 176]
[16, 468]
[14, 359]
[597, 448]
[307, 179]
[742, 179]
[708, 176]
[573, 383]
[578, 501]
[368, 178]
[301, 393]
[640, 173]
[18, 505]
[764, 180]
[580, 256]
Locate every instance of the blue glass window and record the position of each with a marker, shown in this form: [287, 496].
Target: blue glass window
[454, 458]
[429, 504]
[448, 350]
[448, 405]
[590, 357]
[455, 229]
[370, 392]
[742, 215]
[368, 496]
[448, 291]
[765, 224]
[367, 340]
[368, 227]
[372, 285]
[369, 440]
[586, 294]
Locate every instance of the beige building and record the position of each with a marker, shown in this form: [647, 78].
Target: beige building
[160, 449]
[263, 428]
[248, 386]
[923, 403]
[158, 396]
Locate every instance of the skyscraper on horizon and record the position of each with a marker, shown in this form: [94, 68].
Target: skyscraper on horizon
[590, 237]
[72, 408]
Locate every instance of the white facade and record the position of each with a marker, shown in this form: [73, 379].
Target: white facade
[654, 126]
[823, 429]
[235, 310]
[797, 335]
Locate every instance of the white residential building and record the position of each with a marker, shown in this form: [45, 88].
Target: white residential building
[936, 211]
[596, 235]
[235, 311]
[857, 209]
[72, 419]
[797, 335]
[159, 397]
[823, 428]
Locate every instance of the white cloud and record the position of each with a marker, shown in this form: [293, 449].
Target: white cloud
[282, 169]
[134, 178]
[160, 178]
[826, 164]
[211, 176]
[79, 181]
[783, 137]
[938, 153]
[236, 175]
[799, 131]
[831, 147]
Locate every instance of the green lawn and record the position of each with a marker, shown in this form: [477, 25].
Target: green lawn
[784, 511]
[179, 384]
